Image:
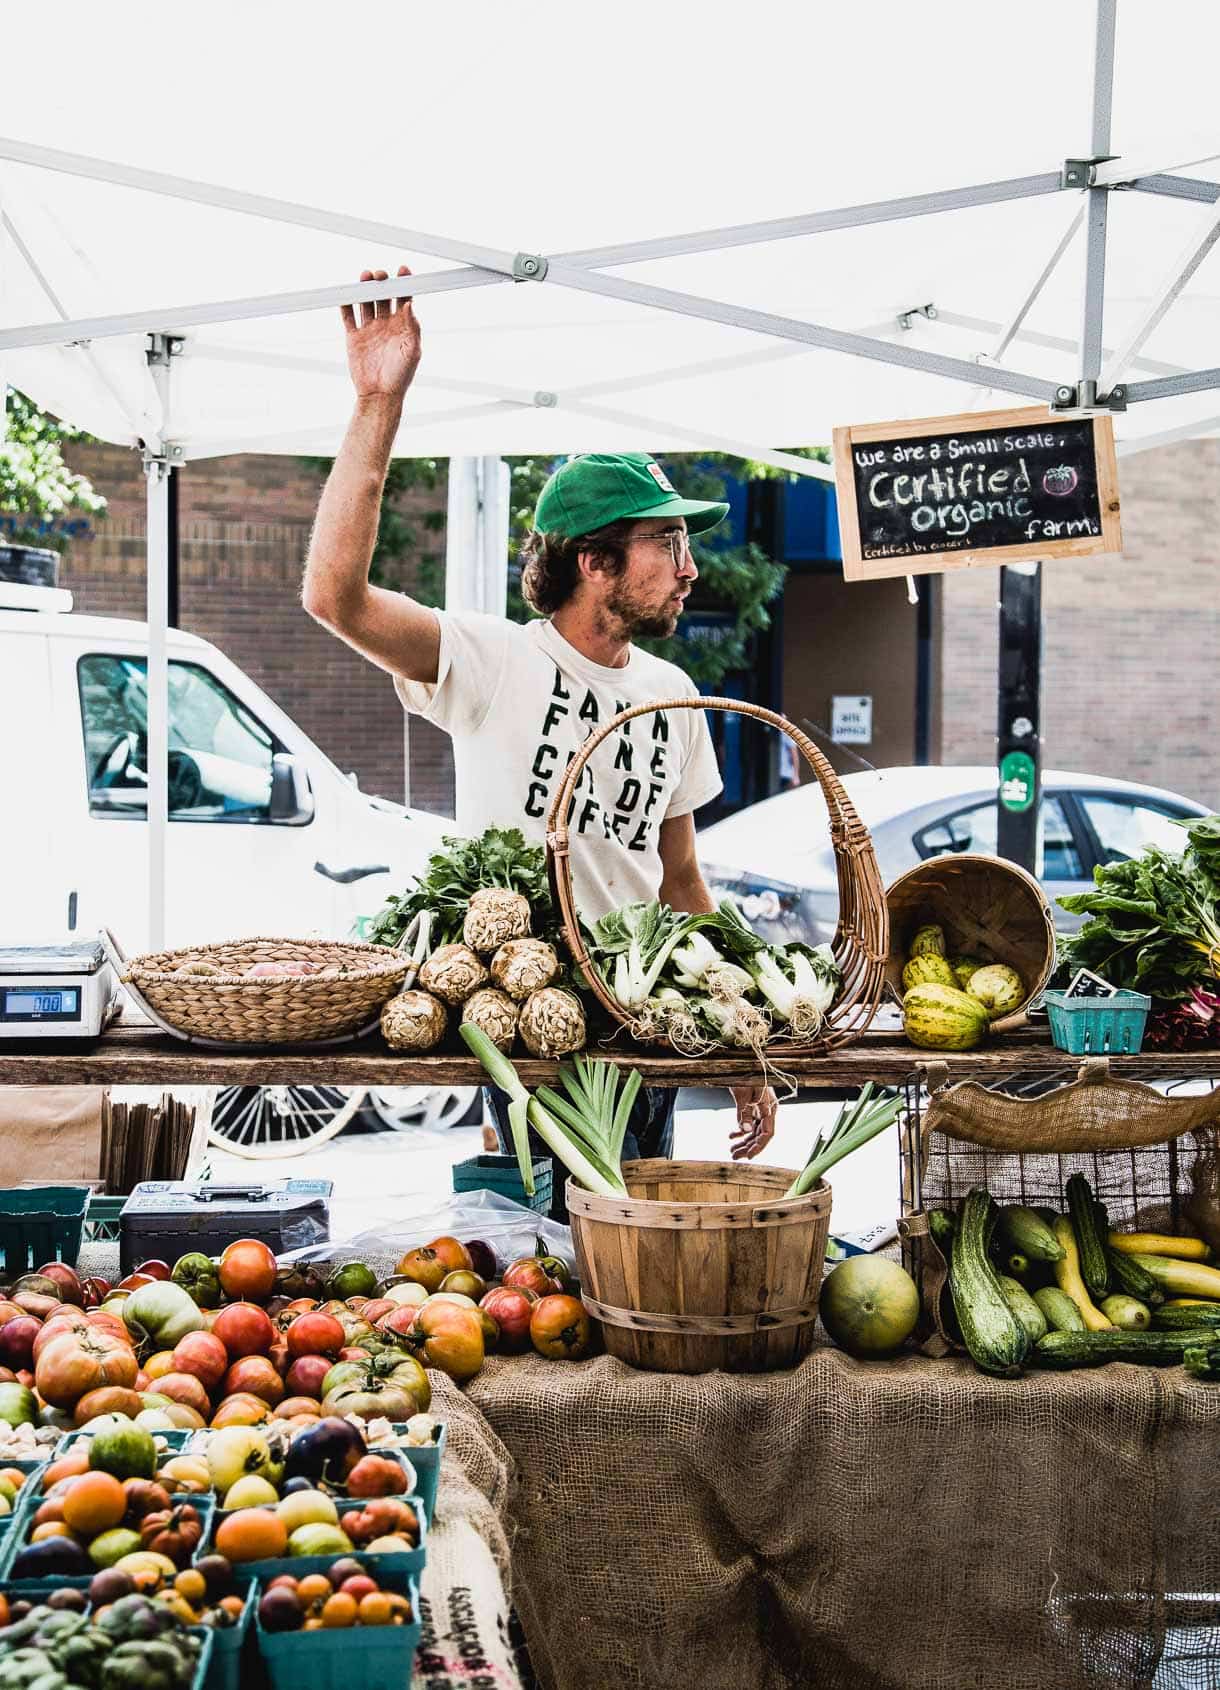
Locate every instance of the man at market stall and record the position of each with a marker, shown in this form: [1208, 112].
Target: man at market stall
[609, 560]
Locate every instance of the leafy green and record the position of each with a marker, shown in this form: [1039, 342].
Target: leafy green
[500, 857]
[1153, 921]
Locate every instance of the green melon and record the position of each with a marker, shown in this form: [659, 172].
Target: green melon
[998, 988]
[869, 1306]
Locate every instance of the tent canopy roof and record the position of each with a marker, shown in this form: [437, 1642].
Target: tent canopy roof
[547, 129]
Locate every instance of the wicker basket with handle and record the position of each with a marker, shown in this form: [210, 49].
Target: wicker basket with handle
[861, 940]
[342, 999]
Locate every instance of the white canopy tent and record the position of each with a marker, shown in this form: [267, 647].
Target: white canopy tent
[898, 214]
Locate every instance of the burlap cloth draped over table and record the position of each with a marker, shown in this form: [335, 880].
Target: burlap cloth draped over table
[899, 1525]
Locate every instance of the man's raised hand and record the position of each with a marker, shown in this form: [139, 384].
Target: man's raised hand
[383, 348]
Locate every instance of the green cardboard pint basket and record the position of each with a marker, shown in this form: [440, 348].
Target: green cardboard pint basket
[41, 1223]
[228, 1646]
[1098, 1026]
[372, 1657]
[502, 1175]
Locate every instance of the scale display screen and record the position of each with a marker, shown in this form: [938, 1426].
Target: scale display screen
[40, 1003]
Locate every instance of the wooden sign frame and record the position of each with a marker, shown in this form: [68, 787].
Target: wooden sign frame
[856, 567]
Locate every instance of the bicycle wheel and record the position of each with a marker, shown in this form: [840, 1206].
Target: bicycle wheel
[427, 1107]
[267, 1121]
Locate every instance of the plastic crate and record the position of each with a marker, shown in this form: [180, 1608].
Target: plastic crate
[406, 1561]
[378, 1657]
[32, 1469]
[15, 1541]
[102, 1220]
[1098, 1026]
[228, 1648]
[502, 1175]
[41, 1223]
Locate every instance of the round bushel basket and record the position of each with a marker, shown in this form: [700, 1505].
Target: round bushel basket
[704, 1265]
[861, 939]
[988, 907]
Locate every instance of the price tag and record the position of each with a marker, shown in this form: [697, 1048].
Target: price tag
[1087, 985]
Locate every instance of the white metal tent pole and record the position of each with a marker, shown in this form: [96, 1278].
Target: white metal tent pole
[157, 700]
[1179, 273]
[1097, 201]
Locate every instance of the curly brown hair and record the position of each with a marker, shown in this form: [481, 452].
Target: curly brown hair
[550, 567]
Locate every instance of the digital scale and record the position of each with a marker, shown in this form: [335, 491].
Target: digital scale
[66, 991]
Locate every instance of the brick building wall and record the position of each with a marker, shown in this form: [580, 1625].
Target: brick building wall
[1129, 644]
[244, 526]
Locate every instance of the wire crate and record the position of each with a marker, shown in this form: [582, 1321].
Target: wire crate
[1144, 1185]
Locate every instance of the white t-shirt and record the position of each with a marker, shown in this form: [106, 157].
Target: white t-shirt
[519, 701]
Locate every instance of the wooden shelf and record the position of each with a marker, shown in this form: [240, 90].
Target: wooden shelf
[131, 1055]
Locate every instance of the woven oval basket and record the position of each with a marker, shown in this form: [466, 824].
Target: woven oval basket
[988, 907]
[861, 940]
[345, 995]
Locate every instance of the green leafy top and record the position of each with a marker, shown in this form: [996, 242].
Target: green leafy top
[499, 857]
[1154, 924]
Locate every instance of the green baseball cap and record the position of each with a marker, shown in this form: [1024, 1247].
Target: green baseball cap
[596, 488]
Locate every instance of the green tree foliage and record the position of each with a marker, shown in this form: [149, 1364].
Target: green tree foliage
[741, 580]
[37, 489]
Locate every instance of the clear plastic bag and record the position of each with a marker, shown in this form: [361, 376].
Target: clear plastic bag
[510, 1228]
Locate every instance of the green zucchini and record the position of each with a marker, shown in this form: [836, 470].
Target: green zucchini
[1127, 1275]
[1024, 1307]
[1094, 1349]
[1203, 1363]
[942, 1226]
[1061, 1313]
[1025, 1230]
[1090, 1236]
[1184, 1320]
[995, 1338]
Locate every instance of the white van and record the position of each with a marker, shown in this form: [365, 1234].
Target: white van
[265, 834]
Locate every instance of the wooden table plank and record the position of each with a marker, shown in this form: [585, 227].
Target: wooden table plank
[129, 1055]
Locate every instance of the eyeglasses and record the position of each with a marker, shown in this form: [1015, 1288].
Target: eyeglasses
[676, 541]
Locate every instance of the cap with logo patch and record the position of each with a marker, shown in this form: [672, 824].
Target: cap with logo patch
[596, 488]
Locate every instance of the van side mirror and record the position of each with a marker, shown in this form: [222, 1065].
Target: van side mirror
[292, 802]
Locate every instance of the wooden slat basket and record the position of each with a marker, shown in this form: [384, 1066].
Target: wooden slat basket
[988, 907]
[705, 1265]
[861, 941]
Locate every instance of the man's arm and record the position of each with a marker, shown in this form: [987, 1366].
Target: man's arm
[397, 634]
[684, 888]
[682, 884]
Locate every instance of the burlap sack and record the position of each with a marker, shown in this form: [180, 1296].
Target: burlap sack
[903, 1525]
[463, 1592]
[1138, 1147]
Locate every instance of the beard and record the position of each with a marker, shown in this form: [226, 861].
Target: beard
[637, 617]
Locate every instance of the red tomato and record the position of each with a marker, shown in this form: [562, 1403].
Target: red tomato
[155, 1269]
[315, 1335]
[244, 1330]
[305, 1376]
[510, 1307]
[559, 1328]
[204, 1355]
[79, 1362]
[256, 1377]
[186, 1389]
[247, 1270]
[540, 1274]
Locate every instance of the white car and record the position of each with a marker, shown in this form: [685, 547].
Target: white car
[266, 835]
[776, 861]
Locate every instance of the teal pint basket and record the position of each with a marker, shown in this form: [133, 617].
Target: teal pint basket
[502, 1175]
[1098, 1026]
[41, 1223]
[229, 1648]
[380, 1657]
[102, 1220]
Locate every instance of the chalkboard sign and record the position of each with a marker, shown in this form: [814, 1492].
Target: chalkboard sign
[916, 498]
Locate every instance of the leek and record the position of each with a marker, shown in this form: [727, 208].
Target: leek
[585, 1130]
[855, 1124]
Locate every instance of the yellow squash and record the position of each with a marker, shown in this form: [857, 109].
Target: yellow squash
[1069, 1281]
[1160, 1244]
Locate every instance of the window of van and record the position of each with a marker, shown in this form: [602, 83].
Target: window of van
[219, 754]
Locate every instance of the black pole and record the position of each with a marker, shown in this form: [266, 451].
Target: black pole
[765, 528]
[923, 670]
[172, 552]
[1018, 743]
